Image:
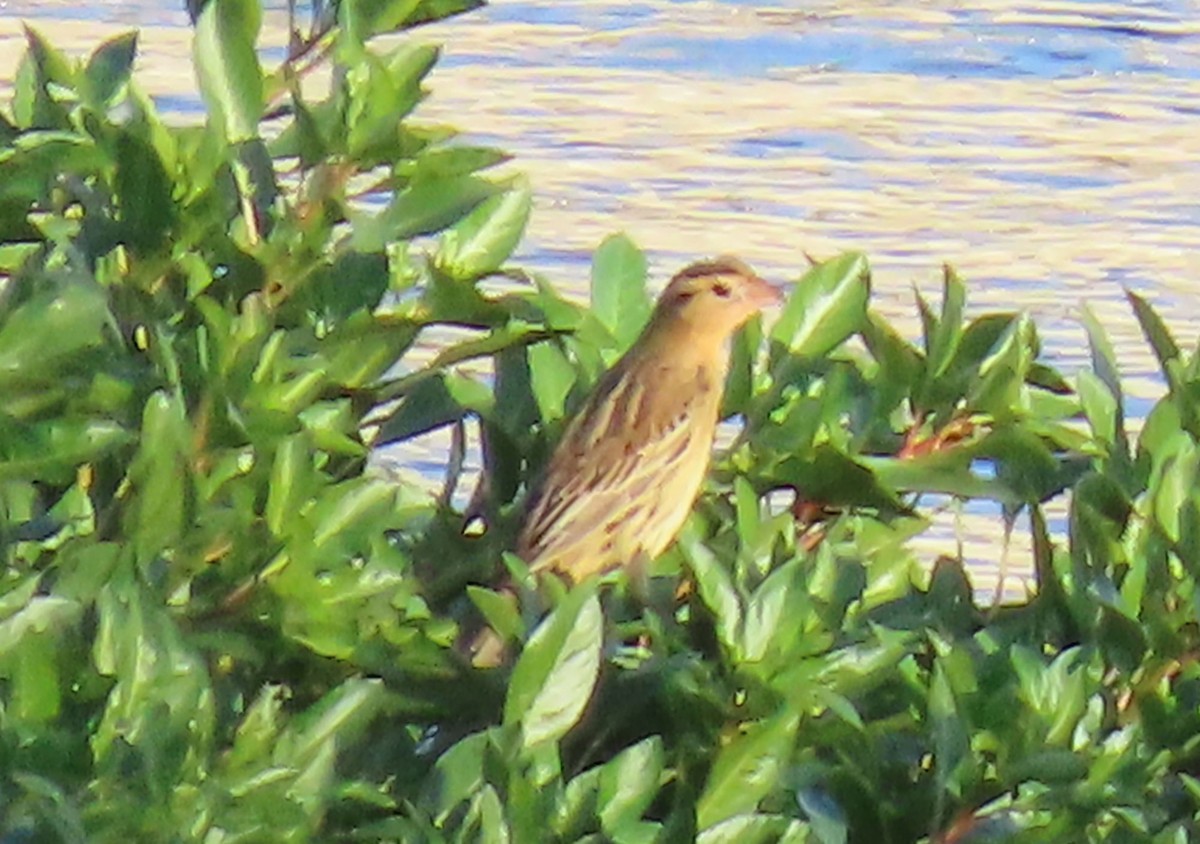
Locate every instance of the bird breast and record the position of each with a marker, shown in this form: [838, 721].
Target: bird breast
[622, 481]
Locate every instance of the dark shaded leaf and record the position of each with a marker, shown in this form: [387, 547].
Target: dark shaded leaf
[147, 209]
[109, 68]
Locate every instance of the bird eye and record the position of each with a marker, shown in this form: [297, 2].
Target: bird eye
[722, 289]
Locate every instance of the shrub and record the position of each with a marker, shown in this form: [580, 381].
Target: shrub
[220, 621]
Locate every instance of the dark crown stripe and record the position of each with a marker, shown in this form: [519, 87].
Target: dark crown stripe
[717, 266]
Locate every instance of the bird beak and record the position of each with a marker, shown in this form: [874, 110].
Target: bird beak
[764, 294]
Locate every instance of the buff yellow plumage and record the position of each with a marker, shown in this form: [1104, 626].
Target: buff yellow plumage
[624, 477]
[622, 480]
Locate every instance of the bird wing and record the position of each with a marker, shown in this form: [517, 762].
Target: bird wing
[600, 489]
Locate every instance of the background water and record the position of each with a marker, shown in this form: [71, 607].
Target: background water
[1050, 152]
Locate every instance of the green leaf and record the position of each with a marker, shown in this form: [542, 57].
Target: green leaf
[777, 600]
[36, 695]
[354, 281]
[53, 450]
[499, 610]
[748, 769]
[1001, 388]
[109, 67]
[160, 476]
[714, 585]
[576, 811]
[146, 207]
[978, 340]
[949, 331]
[257, 733]
[899, 361]
[1173, 487]
[950, 734]
[481, 242]
[628, 785]
[423, 208]
[448, 162]
[1165, 348]
[291, 483]
[756, 829]
[1100, 407]
[828, 476]
[350, 507]
[553, 680]
[828, 305]
[429, 11]
[50, 329]
[1104, 359]
[619, 295]
[161, 703]
[457, 775]
[40, 614]
[231, 79]
[363, 347]
[337, 718]
[551, 376]
[381, 92]
[42, 68]
[366, 18]
[429, 405]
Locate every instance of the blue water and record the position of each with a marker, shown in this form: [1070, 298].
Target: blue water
[1081, 39]
[1091, 41]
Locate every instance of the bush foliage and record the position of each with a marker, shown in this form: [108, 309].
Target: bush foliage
[220, 622]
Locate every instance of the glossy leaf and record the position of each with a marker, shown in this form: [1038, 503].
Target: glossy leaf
[227, 65]
[553, 680]
[628, 784]
[484, 239]
[943, 342]
[828, 305]
[551, 376]
[618, 288]
[747, 769]
[424, 208]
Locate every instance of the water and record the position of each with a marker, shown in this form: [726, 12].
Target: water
[1051, 153]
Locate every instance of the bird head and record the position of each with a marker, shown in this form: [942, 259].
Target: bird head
[712, 299]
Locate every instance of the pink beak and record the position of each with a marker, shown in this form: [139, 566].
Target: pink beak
[763, 293]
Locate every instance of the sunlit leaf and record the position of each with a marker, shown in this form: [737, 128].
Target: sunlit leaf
[554, 678]
[747, 769]
[227, 65]
[483, 240]
[628, 784]
[828, 304]
[943, 343]
[552, 376]
[619, 296]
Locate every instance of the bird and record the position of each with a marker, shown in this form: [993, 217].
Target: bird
[623, 478]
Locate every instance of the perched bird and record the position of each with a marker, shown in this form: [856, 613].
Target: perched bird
[622, 480]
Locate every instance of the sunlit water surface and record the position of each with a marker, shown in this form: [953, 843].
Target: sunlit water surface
[1051, 153]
